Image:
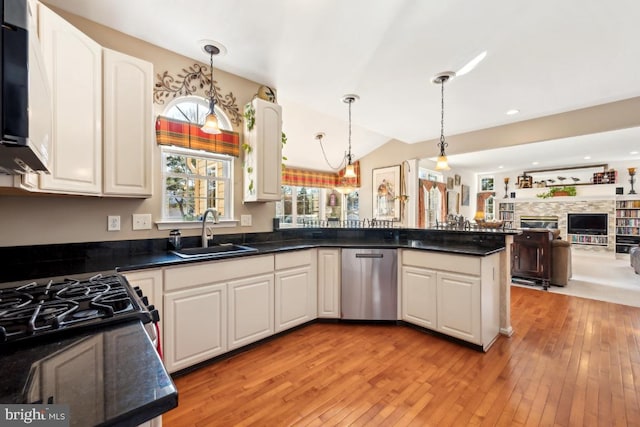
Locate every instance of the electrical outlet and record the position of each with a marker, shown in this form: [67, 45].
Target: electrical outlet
[113, 223]
[142, 221]
[245, 220]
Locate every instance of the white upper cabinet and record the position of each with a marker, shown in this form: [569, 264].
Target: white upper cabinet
[73, 63]
[103, 127]
[263, 152]
[128, 125]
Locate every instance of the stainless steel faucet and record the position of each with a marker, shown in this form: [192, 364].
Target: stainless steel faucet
[205, 239]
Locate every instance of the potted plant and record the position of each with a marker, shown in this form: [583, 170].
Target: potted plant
[567, 190]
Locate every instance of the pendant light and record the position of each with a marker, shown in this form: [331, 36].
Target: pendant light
[442, 162]
[350, 170]
[211, 121]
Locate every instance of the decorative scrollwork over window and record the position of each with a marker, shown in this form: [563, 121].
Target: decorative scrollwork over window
[191, 80]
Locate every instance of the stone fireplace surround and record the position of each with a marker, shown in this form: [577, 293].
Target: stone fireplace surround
[565, 205]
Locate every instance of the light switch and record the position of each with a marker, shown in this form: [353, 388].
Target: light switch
[142, 221]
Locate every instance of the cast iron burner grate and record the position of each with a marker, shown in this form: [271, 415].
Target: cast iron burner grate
[37, 309]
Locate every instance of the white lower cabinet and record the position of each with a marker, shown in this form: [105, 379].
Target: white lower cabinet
[295, 289]
[250, 310]
[457, 295]
[150, 282]
[459, 305]
[329, 277]
[195, 325]
[419, 296]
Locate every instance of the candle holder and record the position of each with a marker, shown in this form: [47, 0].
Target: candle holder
[632, 180]
[506, 188]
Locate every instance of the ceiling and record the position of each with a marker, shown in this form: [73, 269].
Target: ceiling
[543, 57]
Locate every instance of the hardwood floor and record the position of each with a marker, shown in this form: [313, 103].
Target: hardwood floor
[570, 362]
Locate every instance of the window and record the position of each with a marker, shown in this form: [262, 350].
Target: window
[300, 205]
[194, 180]
[194, 109]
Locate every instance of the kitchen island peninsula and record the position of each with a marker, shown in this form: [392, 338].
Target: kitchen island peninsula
[292, 278]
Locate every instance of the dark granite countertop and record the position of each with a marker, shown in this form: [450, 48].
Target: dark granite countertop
[110, 376]
[45, 261]
[169, 259]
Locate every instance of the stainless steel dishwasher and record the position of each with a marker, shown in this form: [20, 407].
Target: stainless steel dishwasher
[369, 284]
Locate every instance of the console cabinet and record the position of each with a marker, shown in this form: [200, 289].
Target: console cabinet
[531, 255]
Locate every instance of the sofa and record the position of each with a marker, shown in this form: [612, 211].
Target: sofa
[560, 261]
[634, 257]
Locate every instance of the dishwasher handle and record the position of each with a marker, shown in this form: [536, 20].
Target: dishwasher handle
[369, 255]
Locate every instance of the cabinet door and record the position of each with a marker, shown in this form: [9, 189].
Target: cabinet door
[251, 303]
[527, 260]
[74, 66]
[263, 160]
[150, 282]
[329, 275]
[419, 296]
[128, 125]
[195, 325]
[86, 358]
[459, 306]
[295, 293]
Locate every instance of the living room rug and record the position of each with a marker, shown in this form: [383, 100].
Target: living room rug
[600, 278]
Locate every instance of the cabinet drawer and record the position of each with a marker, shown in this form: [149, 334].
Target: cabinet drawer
[463, 264]
[219, 271]
[293, 259]
[532, 237]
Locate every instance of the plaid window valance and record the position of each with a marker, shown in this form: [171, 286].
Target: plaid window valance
[309, 178]
[188, 135]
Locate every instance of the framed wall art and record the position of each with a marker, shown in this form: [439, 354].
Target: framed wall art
[386, 187]
[449, 183]
[486, 184]
[457, 179]
[465, 195]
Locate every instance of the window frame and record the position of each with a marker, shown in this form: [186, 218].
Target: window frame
[229, 219]
[323, 194]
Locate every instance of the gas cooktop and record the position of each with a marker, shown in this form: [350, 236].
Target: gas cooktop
[45, 308]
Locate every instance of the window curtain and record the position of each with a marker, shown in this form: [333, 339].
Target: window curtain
[428, 185]
[308, 178]
[188, 135]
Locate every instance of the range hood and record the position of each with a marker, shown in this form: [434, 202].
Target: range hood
[26, 113]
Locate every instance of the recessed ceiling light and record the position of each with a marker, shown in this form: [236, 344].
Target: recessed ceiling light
[512, 112]
[633, 153]
[587, 157]
[535, 163]
[500, 167]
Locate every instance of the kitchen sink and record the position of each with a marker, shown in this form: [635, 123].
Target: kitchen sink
[213, 251]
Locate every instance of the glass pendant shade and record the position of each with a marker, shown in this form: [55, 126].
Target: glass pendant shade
[442, 164]
[350, 171]
[211, 124]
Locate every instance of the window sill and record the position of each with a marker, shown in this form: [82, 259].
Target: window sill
[186, 225]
